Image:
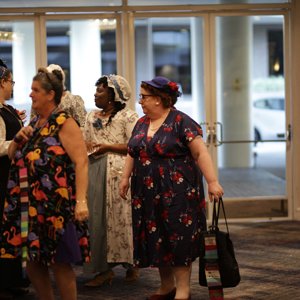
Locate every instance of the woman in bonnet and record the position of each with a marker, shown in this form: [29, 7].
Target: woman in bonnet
[107, 131]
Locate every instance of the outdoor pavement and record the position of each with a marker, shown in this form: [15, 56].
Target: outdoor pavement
[268, 255]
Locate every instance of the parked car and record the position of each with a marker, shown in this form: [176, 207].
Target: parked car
[269, 118]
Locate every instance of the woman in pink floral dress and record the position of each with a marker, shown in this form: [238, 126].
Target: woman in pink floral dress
[166, 159]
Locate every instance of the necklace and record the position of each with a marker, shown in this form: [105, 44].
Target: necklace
[151, 128]
[159, 122]
[108, 112]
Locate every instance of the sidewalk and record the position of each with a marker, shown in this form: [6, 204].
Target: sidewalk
[268, 255]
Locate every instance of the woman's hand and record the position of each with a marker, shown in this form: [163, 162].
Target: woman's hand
[81, 210]
[215, 191]
[24, 134]
[123, 187]
[101, 148]
[22, 114]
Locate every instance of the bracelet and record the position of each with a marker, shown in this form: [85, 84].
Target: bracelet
[17, 140]
[82, 201]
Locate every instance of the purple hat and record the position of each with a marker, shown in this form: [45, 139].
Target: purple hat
[158, 82]
[165, 85]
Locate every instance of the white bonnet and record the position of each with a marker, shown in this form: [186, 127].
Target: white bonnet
[121, 87]
[52, 67]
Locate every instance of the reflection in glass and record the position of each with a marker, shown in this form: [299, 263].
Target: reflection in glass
[173, 47]
[251, 107]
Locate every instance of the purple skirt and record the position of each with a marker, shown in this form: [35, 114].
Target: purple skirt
[68, 250]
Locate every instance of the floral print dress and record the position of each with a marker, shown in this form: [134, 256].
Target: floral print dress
[39, 209]
[168, 205]
[110, 216]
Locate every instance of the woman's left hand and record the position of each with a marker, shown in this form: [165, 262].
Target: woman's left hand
[81, 210]
[101, 148]
[215, 191]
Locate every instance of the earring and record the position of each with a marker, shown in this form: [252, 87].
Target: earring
[157, 103]
[109, 102]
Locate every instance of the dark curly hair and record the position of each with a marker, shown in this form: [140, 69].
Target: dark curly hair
[111, 97]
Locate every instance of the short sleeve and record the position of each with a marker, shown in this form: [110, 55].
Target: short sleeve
[189, 129]
[132, 118]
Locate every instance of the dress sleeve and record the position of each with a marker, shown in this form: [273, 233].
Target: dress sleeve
[190, 129]
[79, 110]
[3, 142]
[132, 118]
[87, 131]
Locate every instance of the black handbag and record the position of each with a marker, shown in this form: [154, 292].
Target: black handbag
[217, 263]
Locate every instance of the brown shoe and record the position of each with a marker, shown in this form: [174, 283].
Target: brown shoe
[132, 275]
[101, 279]
[169, 296]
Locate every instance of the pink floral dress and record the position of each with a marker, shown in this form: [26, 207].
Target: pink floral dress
[168, 204]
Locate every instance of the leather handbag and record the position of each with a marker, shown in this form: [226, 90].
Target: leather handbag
[218, 266]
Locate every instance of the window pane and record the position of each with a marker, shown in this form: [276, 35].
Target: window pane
[85, 49]
[173, 47]
[251, 110]
[18, 51]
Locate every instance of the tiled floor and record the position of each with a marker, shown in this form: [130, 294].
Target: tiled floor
[269, 258]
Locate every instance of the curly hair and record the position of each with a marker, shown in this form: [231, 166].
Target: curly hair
[51, 81]
[168, 99]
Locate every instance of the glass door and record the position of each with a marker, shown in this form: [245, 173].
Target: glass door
[250, 134]
[245, 126]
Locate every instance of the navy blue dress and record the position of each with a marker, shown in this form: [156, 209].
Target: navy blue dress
[168, 204]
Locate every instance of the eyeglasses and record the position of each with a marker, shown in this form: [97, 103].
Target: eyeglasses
[11, 81]
[143, 97]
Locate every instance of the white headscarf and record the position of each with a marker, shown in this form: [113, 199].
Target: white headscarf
[121, 87]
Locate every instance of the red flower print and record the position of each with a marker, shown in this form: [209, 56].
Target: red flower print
[136, 203]
[190, 135]
[168, 128]
[186, 219]
[177, 177]
[159, 148]
[144, 158]
[191, 194]
[151, 226]
[161, 171]
[148, 181]
[178, 118]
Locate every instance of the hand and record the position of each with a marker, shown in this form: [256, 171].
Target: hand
[90, 147]
[81, 210]
[101, 148]
[24, 133]
[123, 187]
[215, 191]
[22, 114]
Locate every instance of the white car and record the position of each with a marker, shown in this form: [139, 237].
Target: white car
[269, 118]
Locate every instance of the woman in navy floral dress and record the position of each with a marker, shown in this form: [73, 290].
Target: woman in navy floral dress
[166, 160]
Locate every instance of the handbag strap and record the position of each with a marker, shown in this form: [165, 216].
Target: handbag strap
[216, 214]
